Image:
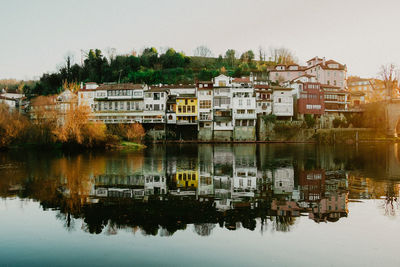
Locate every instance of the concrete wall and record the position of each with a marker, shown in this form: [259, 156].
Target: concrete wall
[205, 134]
[244, 133]
[347, 135]
[223, 135]
[295, 134]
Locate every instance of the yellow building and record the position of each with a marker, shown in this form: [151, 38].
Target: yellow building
[374, 89]
[186, 109]
[357, 99]
[187, 178]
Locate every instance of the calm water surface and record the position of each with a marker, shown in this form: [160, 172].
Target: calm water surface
[189, 205]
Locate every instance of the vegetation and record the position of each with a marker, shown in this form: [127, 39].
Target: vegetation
[270, 118]
[288, 130]
[50, 128]
[153, 67]
[309, 120]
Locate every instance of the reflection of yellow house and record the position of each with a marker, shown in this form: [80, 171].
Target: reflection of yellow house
[186, 109]
[187, 178]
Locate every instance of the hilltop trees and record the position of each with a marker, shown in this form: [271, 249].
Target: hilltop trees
[153, 67]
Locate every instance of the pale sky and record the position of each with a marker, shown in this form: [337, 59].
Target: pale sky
[35, 36]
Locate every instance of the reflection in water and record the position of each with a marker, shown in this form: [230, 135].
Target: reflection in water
[163, 189]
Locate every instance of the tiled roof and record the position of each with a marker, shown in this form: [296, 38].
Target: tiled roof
[241, 80]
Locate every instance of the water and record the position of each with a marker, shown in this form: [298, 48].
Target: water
[202, 205]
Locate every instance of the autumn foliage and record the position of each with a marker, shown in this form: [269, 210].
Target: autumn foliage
[78, 130]
[72, 127]
[13, 126]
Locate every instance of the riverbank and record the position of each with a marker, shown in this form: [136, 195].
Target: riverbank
[305, 136]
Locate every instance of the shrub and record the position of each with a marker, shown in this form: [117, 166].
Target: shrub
[13, 126]
[310, 120]
[288, 130]
[270, 118]
[338, 122]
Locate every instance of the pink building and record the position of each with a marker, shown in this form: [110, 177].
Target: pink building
[329, 72]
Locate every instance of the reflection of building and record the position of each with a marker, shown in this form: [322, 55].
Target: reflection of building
[312, 185]
[285, 208]
[331, 208]
[283, 180]
[186, 179]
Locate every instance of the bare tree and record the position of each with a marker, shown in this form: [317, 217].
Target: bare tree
[111, 53]
[389, 75]
[202, 51]
[282, 55]
[261, 53]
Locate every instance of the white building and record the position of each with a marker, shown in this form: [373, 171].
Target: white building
[222, 104]
[222, 81]
[263, 99]
[114, 103]
[283, 180]
[155, 102]
[282, 101]
[205, 94]
[244, 106]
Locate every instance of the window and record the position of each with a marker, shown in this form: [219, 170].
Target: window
[205, 104]
[193, 109]
[251, 123]
[248, 102]
[240, 102]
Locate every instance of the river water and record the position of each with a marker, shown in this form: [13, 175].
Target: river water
[202, 205]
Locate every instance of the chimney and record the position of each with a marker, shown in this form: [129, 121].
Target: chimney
[323, 61]
[81, 85]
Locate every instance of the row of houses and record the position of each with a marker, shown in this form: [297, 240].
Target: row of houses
[224, 108]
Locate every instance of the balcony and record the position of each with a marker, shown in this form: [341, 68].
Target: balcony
[186, 122]
[158, 120]
[246, 116]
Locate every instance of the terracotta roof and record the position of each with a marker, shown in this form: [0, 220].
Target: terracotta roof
[262, 86]
[329, 86]
[314, 58]
[119, 86]
[281, 88]
[241, 80]
[325, 67]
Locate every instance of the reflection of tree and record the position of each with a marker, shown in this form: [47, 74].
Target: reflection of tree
[204, 229]
[390, 203]
[282, 223]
